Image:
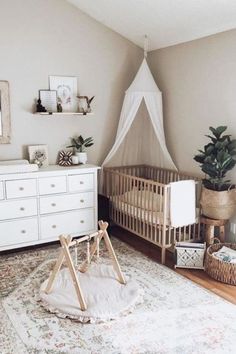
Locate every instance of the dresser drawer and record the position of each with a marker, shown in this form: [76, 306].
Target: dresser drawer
[18, 231]
[65, 202]
[21, 188]
[18, 209]
[1, 191]
[74, 222]
[51, 185]
[79, 183]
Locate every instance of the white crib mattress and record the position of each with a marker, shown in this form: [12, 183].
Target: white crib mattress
[152, 217]
[155, 217]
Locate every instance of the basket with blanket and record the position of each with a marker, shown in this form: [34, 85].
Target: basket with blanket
[220, 262]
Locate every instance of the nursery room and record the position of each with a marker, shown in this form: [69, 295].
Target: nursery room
[117, 177]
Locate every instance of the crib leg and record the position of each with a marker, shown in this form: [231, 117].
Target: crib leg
[163, 255]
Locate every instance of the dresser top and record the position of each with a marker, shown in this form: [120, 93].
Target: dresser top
[52, 170]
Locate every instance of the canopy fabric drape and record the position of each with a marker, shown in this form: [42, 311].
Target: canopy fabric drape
[140, 135]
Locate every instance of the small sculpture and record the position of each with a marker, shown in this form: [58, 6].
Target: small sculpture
[40, 107]
[85, 107]
[65, 158]
[59, 107]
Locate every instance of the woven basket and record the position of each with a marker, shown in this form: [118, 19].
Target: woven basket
[217, 269]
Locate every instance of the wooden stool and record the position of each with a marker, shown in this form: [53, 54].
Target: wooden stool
[210, 225]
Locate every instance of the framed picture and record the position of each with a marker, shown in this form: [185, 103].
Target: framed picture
[66, 87]
[38, 154]
[5, 119]
[49, 99]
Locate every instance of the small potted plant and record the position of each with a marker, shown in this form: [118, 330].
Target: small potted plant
[216, 159]
[79, 144]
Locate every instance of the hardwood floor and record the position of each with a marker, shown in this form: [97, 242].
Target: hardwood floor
[226, 291]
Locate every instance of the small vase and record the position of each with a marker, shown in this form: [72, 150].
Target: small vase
[75, 159]
[82, 157]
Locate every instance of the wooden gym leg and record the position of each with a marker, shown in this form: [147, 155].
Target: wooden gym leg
[73, 273]
[103, 226]
[56, 268]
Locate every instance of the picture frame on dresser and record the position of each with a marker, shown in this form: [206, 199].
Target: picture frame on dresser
[38, 154]
[5, 118]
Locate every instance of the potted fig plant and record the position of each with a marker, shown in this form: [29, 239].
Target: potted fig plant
[80, 144]
[216, 159]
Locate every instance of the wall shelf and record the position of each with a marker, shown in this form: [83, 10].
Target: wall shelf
[63, 113]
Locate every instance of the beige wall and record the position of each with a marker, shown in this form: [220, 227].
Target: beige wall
[198, 81]
[51, 37]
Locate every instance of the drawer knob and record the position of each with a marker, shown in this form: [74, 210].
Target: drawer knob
[81, 200]
[81, 182]
[23, 231]
[53, 185]
[53, 204]
[82, 221]
[54, 226]
[22, 209]
[21, 188]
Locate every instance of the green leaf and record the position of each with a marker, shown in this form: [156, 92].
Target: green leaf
[81, 139]
[199, 158]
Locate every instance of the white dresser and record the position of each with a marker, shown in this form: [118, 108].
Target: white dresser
[37, 207]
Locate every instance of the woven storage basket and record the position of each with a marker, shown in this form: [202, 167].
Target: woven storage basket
[217, 269]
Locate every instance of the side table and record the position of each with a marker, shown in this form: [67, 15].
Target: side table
[210, 225]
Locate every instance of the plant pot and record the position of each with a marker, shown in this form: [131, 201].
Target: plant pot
[218, 204]
[82, 157]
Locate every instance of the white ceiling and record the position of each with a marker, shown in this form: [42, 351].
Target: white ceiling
[166, 22]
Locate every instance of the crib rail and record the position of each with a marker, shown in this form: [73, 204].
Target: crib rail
[139, 202]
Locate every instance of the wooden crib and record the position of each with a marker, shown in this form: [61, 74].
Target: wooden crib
[139, 201]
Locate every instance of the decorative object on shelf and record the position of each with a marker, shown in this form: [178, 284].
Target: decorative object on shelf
[190, 255]
[39, 107]
[218, 195]
[75, 159]
[85, 104]
[65, 158]
[66, 87]
[48, 99]
[38, 154]
[79, 144]
[59, 106]
[5, 119]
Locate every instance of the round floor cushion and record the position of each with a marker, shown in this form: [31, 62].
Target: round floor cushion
[105, 297]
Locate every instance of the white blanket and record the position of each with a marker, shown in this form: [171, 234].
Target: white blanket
[105, 297]
[182, 203]
[225, 254]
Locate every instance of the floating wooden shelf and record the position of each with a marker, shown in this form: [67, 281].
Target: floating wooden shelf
[63, 113]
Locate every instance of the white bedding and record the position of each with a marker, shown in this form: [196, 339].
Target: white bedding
[155, 217]
[138, 204]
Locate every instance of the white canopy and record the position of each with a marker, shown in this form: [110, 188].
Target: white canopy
[140, 136]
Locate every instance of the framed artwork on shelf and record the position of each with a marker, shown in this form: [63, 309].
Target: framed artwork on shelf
[66, 88]
[38, 154]
[48, 99]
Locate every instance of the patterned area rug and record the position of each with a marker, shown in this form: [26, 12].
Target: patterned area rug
[177, 316]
